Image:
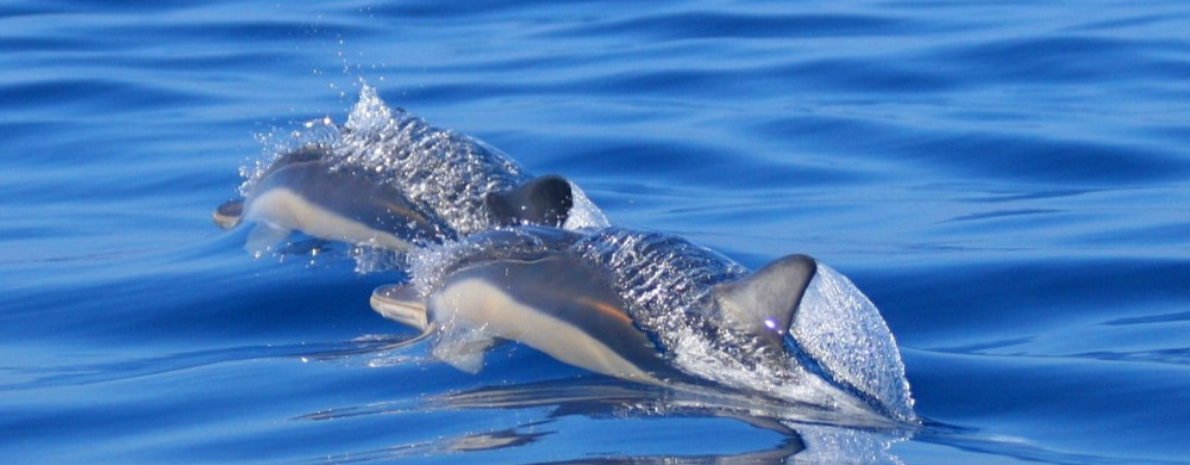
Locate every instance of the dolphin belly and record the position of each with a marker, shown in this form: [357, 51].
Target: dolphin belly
[480, 304]
[342, 204]
[283, 208]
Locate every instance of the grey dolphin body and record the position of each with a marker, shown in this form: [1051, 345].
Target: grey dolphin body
[301, 191]
[520, 285]
[627, 304]
[420, 192]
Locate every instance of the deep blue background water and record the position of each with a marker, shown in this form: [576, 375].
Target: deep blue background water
[1008, 181]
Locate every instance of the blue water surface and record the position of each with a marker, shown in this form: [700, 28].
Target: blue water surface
[1009, 182]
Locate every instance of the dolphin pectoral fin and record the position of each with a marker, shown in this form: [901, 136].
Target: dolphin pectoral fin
[765, 302]
[463, 349]
[545, 201]
[401, 303]
[229, 214]
[264, 237]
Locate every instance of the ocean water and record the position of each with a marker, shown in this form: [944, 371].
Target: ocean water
[1009, 182]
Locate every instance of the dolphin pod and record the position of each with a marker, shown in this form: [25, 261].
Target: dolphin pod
[493, 254]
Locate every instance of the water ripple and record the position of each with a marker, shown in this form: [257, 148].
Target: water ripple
[1006, 180]
[719, 24]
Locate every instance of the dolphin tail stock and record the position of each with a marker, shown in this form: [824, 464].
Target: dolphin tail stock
[545, 200]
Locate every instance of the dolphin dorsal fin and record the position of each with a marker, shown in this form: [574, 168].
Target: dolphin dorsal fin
[545, 201]
[764, 302]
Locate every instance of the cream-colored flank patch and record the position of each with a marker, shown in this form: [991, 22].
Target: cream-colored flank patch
[285, 209]
[477, 304]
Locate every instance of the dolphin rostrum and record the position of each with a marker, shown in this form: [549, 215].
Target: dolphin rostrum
[651, 307]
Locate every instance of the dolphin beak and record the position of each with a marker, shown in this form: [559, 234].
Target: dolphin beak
[401, 303]
[229, 214]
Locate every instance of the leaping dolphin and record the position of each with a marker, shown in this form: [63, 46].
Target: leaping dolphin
[302, 190]
[550, 302]
[388, 178]
[638, 305]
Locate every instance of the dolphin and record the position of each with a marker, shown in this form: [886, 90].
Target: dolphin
[301, 191]
[304, 190]
[398, 180]
[551, 302]
[635, 305]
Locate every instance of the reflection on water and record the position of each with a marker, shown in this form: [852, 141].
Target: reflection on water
[443, 446]
[808, 434]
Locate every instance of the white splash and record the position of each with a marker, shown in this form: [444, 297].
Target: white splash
[842, 330]
[584, 214]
